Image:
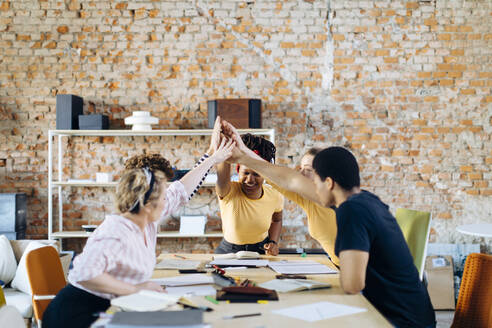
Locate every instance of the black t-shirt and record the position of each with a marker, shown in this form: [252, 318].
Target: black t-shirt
[392, 280]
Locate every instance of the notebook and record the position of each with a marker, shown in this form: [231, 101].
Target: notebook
[157, 319]
[293, 285]
[246, 263]
[239, 255]
[170, 264]
[145, 300]
[238, 294]
[300, 267]
[185, 280]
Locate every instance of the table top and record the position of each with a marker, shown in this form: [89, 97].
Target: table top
[477, 229]
[367, 319]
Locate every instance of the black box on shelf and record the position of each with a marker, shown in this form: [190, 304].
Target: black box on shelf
[242, 113]
[68, 109]
[93, 122]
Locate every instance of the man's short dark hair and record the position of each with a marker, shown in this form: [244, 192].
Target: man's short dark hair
[339, 164]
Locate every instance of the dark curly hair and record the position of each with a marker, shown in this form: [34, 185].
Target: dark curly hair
[155, 162]
[265, 148]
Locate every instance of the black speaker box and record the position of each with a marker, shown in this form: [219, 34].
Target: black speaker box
[242, 113]
[93, 122]
[68, 109]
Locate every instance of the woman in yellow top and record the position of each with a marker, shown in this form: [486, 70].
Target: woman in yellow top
[251, 212]
[297, 186]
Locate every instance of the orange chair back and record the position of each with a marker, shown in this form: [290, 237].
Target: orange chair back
[46, 276]
[474, 307]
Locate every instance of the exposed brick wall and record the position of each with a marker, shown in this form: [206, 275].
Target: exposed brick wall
[405, 85]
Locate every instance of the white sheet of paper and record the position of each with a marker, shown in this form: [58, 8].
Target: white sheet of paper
[145, 300]
[235, 268]
[185, 280]
[192, 225]
[318, 311]
[256, 263]
[300, 267]
[171, 264]
[200, 290]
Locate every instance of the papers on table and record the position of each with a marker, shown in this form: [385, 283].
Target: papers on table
[199, 290]
[300, 267]
[318, 311]
[293, 285]
[170, 264]
[185, 280]
[247, 263]
[145, 300]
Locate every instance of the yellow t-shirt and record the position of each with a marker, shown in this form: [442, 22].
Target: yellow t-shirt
[246, 220]
[322, 222]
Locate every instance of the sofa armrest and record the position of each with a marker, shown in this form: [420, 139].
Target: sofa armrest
[19, 246]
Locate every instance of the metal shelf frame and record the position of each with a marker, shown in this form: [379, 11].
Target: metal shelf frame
[60, 183]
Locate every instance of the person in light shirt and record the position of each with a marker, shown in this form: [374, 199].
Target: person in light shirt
[119, 256]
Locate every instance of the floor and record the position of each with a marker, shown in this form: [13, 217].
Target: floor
[444, 318]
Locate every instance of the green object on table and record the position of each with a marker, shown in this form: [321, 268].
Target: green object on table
[213, 300]
[303, 255]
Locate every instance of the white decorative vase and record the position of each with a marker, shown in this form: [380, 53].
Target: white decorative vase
[141, 121]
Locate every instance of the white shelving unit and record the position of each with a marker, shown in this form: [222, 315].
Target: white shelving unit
[60, 183]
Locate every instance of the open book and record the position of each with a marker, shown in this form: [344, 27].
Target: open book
[145, 300]
[238, 256]
[293, 285]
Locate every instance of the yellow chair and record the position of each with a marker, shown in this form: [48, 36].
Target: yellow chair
[2, 297]
[474, 307]
[415, 226]
[45, 273]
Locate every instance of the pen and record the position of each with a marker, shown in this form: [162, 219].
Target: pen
[219, 270]
[213, 300]
[241, 315]
[192, 306]
[179, 256]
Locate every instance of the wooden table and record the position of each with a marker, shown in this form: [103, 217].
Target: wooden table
[368, 319]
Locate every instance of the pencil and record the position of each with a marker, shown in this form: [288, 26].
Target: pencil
[241, 315]
[179, 256]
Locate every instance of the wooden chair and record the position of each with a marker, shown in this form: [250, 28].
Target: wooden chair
[46, 277]
[474, 307]
[415, 226]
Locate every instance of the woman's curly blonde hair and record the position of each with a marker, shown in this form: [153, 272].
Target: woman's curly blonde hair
[155, 162]
[133, 184]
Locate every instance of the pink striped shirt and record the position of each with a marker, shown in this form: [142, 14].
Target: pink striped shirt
[117, 247]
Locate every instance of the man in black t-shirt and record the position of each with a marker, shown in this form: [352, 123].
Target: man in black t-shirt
[374, 256]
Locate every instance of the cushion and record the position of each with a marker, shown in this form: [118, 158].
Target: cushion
[12, 316]
[8, 264]
[19, 300]
[21, 280]
[19, 246]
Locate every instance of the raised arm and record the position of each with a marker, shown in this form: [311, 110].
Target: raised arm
[223, 186]
[284, 177]
[191, 179]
